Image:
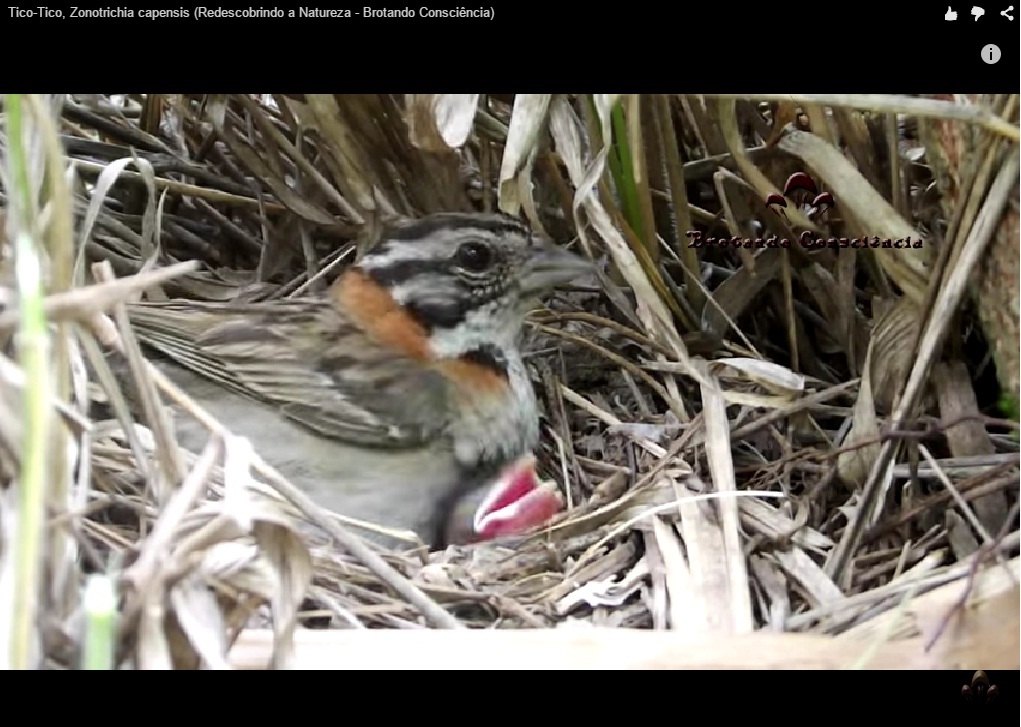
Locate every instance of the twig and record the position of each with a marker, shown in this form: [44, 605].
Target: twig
[80, 303]
[190, 190]
[976, 560]
[890, 104]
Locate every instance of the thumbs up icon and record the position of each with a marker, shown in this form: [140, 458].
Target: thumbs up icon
[951, 14]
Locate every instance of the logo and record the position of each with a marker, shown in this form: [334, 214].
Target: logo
[802, 190]
[980, 692]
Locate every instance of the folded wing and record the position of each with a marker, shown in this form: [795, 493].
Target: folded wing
[304, 358]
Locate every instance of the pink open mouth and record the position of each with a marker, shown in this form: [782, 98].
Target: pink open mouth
[516, 503]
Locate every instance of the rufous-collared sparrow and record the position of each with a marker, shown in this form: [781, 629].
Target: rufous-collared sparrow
[399, 396]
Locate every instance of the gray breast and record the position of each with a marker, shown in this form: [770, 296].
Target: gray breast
[395, 489]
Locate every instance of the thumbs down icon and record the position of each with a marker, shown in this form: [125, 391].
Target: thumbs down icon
[977, 12]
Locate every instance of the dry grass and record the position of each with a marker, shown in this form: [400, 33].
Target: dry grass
[749, 440]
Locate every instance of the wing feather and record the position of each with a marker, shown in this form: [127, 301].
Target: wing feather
[307, 360]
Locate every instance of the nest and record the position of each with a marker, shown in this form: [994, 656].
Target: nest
[749, 436]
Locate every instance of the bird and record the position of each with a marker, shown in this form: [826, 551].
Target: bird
[399, 396]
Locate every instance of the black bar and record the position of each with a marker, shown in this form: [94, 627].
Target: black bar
[629, 46]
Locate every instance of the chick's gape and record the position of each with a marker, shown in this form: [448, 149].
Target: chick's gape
[401, 397]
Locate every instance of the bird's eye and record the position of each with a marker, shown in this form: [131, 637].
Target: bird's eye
[474, 256]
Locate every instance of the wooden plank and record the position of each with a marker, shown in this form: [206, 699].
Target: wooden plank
[985, 637]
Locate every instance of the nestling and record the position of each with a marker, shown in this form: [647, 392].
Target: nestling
[401, 394]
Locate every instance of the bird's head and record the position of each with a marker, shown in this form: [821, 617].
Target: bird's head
[468, 279]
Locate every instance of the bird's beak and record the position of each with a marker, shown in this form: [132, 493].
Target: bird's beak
[550, 266]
